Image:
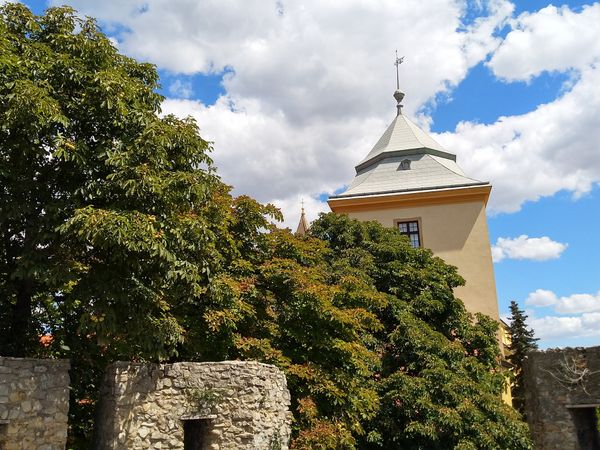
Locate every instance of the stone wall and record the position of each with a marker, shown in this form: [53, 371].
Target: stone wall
[34, 403]
[559, 409]
[235, 405]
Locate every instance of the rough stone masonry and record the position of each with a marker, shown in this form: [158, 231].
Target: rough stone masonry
[231, 405]
[34, 403]
[562, 392]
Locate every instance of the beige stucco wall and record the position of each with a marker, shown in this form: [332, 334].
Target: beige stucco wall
[458, 233]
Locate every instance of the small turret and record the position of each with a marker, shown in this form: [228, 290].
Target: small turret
[303, 225]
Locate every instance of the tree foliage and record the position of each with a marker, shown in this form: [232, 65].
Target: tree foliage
[118, 238]
[439, 382]
[97, 190]
[112, 218]
[522, 341]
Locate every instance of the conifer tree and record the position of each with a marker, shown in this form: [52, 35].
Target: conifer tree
[522, 342]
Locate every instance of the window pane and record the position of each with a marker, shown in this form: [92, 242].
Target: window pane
[412, 226]
[403, 227]
[414, 240]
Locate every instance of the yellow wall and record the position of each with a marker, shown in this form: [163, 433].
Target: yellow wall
[456, 231]
[506, 341]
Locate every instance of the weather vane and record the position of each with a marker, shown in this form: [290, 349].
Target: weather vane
[398, 95]
[397, 63]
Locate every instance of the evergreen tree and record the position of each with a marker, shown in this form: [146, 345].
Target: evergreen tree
[522, 341]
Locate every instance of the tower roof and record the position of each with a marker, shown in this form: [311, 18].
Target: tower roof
[303, 225]
[406, 159]
[410, 173]
[403, 137]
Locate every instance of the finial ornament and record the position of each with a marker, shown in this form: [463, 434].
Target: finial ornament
[398, 95]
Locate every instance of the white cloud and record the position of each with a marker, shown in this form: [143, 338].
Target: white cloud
[560, 329]
[305, 79]
[311, 82]
[181, 89]
[553, 148]
[309, 59]
[265, 156]
[572, 304]
[552, 39]
[578, 303]
[524, 247]
[541, 297]
[553, 327]
[578, 316]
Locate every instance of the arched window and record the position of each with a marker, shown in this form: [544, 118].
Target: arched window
[405, 164]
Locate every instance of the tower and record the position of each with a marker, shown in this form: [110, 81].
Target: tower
[410, 181]
[303, 225]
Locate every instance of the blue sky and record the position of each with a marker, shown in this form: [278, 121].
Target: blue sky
[294, 94]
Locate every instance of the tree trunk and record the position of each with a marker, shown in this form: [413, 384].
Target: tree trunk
[21, 319]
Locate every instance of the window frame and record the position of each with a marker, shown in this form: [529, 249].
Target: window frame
[418, 221]
[405, 164]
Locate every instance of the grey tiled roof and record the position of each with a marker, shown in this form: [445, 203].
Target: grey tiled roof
[431, 166]
[401, 137]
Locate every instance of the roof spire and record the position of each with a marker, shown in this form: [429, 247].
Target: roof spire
[398, 95]
[303, 226]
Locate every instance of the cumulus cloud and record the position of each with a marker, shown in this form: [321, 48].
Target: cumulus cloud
[306, 91]
[559, 329]
[553, 148]
[579, 303]
[541, 297]
[572, 304]
[310, 59]
[524, 247]
[266, 156]
[552, 39]
[574, 316]
[305, 96]
[553, 327]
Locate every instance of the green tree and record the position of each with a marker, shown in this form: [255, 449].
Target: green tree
[112, 219]
[522, 341]
[440, 381]
[94, 186]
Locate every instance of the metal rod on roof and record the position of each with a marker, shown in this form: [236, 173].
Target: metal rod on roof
[398, 95]
[397, 63]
